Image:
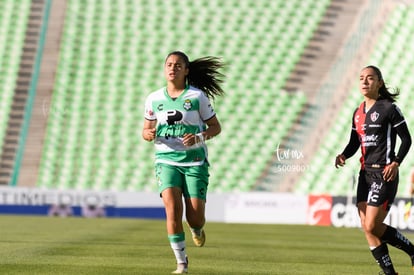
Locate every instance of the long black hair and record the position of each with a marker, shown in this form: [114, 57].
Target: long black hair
[383, 91]
[204, 73]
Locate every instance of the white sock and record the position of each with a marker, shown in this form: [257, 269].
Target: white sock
[179, 252]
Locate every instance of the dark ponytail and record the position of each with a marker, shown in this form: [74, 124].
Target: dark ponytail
[383, 90]
[204, 74]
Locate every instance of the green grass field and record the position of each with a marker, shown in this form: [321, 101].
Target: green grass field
[44, 245]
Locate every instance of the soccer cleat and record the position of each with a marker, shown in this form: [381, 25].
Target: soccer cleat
[182, 268]
[199, 239]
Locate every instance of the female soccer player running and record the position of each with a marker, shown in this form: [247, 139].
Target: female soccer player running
[179, 118]
[375, 126]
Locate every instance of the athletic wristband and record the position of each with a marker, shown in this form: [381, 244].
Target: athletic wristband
[200, 137]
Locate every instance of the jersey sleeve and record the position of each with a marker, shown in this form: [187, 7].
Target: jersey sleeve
[206, 109]
[149, 112]
[398, 122]
[353, 144]
[396, 116]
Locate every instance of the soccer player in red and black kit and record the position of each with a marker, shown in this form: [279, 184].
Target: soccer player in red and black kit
[375, 126]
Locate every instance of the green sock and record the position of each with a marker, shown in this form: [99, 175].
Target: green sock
[175, 238]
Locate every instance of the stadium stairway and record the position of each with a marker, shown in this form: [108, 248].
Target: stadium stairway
[323, 47]
[308, 76]
[13, 129]
[42, 103]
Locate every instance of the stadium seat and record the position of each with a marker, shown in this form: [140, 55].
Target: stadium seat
[13, 18]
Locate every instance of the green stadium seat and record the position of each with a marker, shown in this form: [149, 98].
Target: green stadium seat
[13, 18]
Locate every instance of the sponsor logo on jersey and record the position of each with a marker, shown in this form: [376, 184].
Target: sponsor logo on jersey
[369, 140]
[173, 117]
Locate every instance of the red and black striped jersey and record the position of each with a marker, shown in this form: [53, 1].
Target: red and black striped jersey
[375, 131]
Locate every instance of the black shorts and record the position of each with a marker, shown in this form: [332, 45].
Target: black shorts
[373, 189]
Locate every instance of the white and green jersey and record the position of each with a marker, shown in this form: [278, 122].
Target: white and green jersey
[175, 117]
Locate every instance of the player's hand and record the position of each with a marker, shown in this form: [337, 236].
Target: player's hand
[390, 171]
[189, 139]
[340, 160]
[148, 134]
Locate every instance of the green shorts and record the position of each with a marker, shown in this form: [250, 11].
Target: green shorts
[193, 180]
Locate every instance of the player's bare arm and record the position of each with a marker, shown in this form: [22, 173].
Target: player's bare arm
[148, 131]
[214, 128]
